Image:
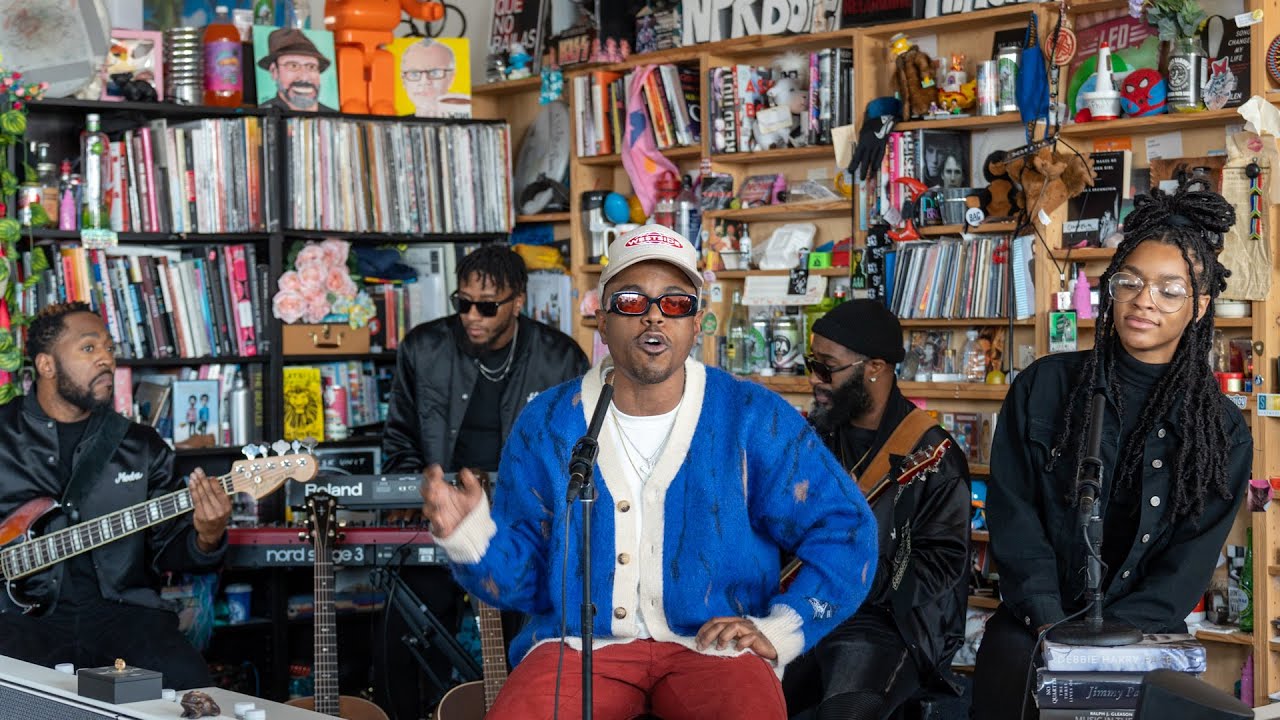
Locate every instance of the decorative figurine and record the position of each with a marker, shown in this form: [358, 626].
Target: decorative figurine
[197, 704]
[913, 77]
[518, 62]
[361, 29]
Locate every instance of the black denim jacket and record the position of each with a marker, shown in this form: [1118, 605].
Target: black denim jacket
[1034, 536]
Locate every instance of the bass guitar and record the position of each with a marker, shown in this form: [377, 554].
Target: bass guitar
[472, 700]
[322, 531]
[27, 550]
[921, 462]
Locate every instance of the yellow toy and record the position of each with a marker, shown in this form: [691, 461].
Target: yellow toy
[366, 71]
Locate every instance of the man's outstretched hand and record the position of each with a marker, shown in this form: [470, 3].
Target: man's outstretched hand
[446, 505]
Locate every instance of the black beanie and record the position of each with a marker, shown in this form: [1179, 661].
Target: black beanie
[866, 327]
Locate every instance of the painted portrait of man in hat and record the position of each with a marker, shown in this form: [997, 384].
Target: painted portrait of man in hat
[293, 69]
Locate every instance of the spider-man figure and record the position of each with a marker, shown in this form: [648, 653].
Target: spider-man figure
[1143, 93]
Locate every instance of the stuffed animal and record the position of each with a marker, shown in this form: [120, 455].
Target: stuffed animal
[1048, 178]
[1001, 194]
[913, 78]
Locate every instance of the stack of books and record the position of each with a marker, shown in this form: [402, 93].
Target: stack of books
[1084, 682]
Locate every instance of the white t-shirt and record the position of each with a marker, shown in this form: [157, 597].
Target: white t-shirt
[639, 439]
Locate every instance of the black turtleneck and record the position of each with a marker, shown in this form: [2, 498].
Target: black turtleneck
[1135, 380]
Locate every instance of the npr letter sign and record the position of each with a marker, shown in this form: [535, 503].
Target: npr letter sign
[712, 20]
[937, 8]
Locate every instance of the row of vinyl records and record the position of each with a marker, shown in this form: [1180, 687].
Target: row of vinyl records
[668, 96]
[324, 401]
[203, 176]
[353, 176]
[791, 104]
[185, 403]
[205, 301]
[961, 278]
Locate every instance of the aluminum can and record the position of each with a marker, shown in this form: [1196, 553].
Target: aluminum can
[758, 344]
[29, 195]
[988, 88]
[786, 346]
[1007, 66]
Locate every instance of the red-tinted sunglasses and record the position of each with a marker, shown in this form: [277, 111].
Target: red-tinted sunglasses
[672, 305]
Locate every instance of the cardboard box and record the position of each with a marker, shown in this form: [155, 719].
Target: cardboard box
[326, 339]
[132, 684]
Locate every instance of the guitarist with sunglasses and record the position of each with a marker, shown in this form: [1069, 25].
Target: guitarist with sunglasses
[903, 637]
[65, 442]
[460, 382]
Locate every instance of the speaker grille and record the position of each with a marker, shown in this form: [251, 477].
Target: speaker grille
[16, 704]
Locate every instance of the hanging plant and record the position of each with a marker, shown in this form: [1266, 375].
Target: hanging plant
[14, 96]
[1173, 19]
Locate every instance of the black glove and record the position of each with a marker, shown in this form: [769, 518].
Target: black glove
[872, 140]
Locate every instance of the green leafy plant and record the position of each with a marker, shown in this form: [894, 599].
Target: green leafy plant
[1173, 19]
[14, 96]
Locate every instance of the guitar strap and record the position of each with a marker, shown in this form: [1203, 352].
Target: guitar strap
[902, 442]
[105, 442]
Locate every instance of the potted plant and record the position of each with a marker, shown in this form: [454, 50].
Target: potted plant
[14, 96]
[1178, 23]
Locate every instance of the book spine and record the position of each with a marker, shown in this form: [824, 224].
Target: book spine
[1086, 690]
[1087, 714]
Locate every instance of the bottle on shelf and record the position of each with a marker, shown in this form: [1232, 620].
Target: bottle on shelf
[223, 84]
[69, 205]
[975, 361]
[736, 349]
[664, 211]
[47, 177]
[93, 166]
[688, 214]
[760, 343]
[786, 345]
[264, 12]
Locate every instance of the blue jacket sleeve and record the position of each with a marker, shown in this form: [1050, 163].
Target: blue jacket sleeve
[801, 497]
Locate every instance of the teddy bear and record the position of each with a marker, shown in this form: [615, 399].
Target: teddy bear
[913, 77]
[1048, 178]
[1000, 195]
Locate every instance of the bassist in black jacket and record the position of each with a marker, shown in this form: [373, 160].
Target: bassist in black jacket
[102, 604]
[903, 636]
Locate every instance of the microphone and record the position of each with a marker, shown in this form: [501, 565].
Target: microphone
[583, 461]
[1089, 479]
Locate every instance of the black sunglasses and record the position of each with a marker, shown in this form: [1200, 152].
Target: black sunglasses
[672, 305]
[487, 308]
[824, 372]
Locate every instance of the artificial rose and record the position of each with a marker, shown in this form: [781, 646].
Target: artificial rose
[288, 306]
[312, 277]
[311, 256]
[317, 308]
[335, 252]
[290, 281]
[340, 283]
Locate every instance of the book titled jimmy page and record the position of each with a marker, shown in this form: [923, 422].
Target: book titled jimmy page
[1088, 690]
[1179, 652]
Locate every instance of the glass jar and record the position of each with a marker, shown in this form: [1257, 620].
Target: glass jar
[1185, 75]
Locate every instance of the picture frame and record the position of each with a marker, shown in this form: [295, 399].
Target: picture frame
[138, 52]
[308, 69]
[1062, 331]
[196, 410]
[419, 95]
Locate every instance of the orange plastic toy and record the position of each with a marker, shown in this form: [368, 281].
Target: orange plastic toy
[366, 71]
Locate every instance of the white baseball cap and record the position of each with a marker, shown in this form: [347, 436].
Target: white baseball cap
[652, 242]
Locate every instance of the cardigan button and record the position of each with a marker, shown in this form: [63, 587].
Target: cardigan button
[1155, 501]
[1160, 433]
[1157, 463]
[620, 612]
[1146, 537]
[624, 506]
[623, 558]
[1124, 574]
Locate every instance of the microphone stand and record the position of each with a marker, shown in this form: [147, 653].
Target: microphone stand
[582, 487]
[1093, 629]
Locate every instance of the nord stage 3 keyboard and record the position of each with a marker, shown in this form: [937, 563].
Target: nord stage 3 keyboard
[360, 547]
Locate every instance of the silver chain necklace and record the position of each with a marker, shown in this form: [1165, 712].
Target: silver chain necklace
[644, 468]
[500, 373]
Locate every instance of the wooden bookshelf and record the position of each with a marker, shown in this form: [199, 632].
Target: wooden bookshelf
[954, 391]
[1154, 124]
[812, 152]
[550, 217]
[985, 228]
[1234, 637]
[508, 87]
[1082, 254]
[686, 152]
[971, 122]
[964, 322]
[785, 211]
[740, 274]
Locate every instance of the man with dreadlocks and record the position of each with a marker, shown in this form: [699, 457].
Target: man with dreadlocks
[1175, 452]
[460, 383]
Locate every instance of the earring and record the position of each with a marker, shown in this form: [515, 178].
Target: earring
[873, 378]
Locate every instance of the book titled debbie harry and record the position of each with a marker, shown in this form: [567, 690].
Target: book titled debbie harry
[1087, 689]
[1179, 652]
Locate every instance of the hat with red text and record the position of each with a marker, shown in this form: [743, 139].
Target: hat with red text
[652, 242]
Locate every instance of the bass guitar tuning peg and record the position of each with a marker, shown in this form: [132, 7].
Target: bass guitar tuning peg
[281, 447]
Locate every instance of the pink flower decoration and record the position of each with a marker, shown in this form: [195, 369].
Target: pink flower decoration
[339, 283]
[312, 277]
[288, 306]
[317, 308]
[311, 256]
[335, 252]
[290, 281]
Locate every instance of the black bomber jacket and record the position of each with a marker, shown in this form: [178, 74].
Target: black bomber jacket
[1034, 534]
[129, 568]
[433, 384]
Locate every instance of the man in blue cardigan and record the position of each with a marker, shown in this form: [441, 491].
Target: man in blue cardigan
[703, 481]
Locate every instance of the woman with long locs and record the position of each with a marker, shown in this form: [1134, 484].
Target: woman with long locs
[1175, 452]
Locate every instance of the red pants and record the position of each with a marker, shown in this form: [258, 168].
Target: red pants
[643, 676]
